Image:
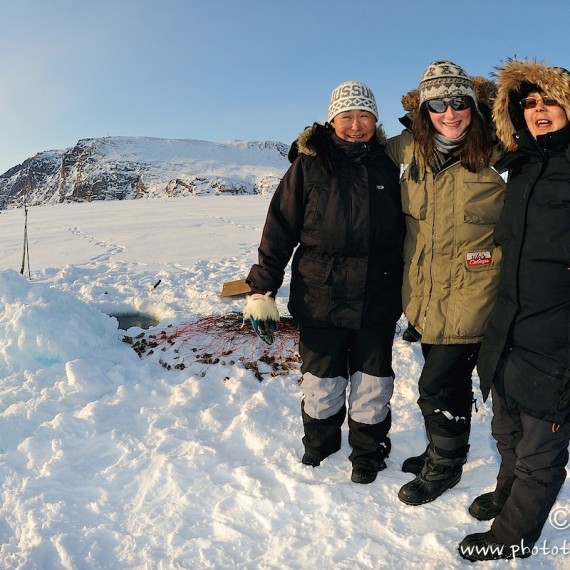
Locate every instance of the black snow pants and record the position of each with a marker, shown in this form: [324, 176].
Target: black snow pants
[337, 363]
[445, 387]
[534, 454]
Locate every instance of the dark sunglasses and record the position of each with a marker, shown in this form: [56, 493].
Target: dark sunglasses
[532, 102]
[456, 103]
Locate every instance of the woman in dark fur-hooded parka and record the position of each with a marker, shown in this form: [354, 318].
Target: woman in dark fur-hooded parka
[525, 356]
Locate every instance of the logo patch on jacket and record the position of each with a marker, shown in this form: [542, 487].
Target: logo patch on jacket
[479, 258]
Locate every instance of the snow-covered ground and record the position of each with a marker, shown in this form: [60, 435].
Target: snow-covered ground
[113, 461]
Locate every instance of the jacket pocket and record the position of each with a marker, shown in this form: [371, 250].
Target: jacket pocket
[414, 196]
[314, 267]
[555, 196]
[416, 265]
[315, 208]
[483, 201]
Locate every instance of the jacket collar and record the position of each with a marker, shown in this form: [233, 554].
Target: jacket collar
[353, 149]
[555, 142]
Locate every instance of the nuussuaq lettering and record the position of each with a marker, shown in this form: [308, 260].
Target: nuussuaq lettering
[353, 90]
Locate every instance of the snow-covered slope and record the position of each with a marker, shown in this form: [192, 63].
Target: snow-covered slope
[118, 168]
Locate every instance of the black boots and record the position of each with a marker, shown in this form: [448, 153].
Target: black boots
[415, 464]
[441, 471]
[427, 487]
[370, 447]
[489, 505]
[482, 546]
[311, 459]
[484, 508]
[364, 476]
[370, 443]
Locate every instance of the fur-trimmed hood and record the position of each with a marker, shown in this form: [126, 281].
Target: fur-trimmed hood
[514, 81]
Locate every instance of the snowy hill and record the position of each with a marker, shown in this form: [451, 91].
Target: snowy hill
[118, 168]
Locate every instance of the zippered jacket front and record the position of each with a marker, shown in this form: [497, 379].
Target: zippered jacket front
[451, 264]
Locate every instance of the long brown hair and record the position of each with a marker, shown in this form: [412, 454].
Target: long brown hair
[474, 152]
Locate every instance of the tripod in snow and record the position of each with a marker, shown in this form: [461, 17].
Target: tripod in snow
[26, 252]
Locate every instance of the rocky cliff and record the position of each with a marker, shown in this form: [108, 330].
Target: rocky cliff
[124, 168]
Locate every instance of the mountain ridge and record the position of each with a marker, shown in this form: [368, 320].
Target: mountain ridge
[127, 168]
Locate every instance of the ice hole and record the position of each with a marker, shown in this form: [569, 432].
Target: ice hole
[134, 319]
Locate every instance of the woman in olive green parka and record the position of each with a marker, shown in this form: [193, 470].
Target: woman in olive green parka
[451, 198]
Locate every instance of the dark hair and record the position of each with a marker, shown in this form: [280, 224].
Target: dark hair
[474, 151]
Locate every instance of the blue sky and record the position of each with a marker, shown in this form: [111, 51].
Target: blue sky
[237, 69]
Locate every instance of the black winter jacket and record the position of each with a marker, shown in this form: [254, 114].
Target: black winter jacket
[339, 206]
[531, 319]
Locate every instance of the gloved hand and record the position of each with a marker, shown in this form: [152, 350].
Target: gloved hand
[263, 315]
[565, 392]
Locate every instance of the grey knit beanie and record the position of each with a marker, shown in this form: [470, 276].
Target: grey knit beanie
[446, 79]
[350, 96]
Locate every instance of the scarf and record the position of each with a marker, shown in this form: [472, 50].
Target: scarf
[444, 148]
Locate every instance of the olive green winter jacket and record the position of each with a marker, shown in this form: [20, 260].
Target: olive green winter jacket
[451, 263]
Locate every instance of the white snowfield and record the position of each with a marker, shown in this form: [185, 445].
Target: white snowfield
[112, 461]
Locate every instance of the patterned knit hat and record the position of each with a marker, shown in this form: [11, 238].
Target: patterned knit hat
[445, 79]
[350, 96]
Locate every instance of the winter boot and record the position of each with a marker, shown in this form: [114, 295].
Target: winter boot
[322, 437]
[364, 476]
[415, 464]
[441, 471]
[311, 459]
[482, 546]
[488, 505]
[484, 508]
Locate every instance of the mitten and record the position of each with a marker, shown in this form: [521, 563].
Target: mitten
[411, 334]
[263, 315]
[565, 392]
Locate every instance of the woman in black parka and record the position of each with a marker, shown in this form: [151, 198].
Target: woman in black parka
[525, 356]
[338, 207]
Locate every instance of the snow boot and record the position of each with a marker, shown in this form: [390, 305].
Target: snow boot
[482, 546]
[441, 471]
[363, 475]
[484, 508]
[415, 464]
[311, 459]
[488, 505]
[370, 447]
[426, 488]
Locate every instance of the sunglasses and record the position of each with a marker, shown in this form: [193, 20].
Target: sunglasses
[532, 102]
[456, 103]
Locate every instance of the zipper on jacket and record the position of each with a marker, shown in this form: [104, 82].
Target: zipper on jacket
[433, 235]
